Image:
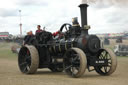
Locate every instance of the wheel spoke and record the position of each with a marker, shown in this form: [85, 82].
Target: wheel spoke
[24, 63]
[68, 67]
[28, 57]
[24, 70]
[109, 62]
[109, 66]
[72, 69]
[75, 58]
[28, 68]
[109, 58]
[66, 28]
[106, 55]
[105, 69]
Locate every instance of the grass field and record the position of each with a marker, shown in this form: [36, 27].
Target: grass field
[5, 51]
[10, 74]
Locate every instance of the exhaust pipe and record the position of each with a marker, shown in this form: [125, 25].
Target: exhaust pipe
[83, 8]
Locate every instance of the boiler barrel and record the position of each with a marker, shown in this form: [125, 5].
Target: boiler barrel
[60, 47]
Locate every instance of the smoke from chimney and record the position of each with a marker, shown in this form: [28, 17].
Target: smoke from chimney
[110, 2]
[84, 1]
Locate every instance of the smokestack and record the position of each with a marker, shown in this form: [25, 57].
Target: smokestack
[83, 8]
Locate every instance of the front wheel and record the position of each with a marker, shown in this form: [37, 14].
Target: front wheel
[75, 62]
[112, 62]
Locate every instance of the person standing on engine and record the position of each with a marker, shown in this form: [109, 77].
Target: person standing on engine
[38, 29]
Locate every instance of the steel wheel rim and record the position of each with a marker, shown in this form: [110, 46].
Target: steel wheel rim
[105, 55]
[70, 61]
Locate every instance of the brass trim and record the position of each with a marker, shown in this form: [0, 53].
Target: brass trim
[87, 27]
[75, 25]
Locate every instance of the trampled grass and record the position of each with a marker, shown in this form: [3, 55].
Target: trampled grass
[5, 51]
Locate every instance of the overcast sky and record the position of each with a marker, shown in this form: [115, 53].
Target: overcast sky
[104, 16]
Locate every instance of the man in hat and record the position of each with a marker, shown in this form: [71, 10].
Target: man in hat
[75, 25]
[28, 37]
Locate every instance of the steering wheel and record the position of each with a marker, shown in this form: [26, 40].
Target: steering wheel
[66, 26]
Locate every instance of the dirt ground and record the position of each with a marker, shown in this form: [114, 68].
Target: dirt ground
[10, 75]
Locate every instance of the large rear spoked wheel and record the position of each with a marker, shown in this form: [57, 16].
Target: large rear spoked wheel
[75, 62]
[108, 54]
[28, 59]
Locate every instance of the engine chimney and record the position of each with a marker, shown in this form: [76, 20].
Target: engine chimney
[83, 8]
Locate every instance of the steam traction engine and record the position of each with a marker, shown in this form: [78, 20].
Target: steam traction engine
[73, 51]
